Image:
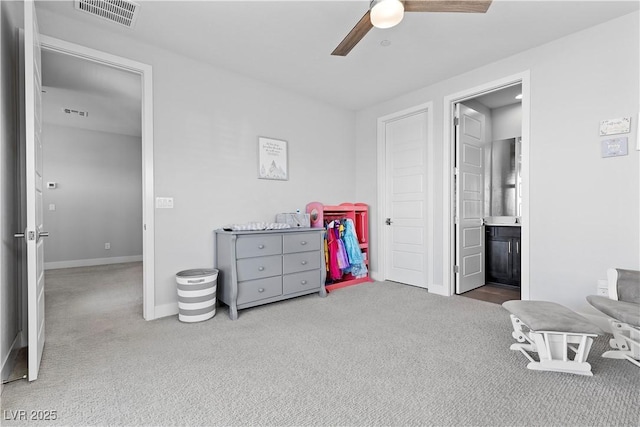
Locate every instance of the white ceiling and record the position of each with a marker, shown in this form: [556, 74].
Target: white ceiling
[501, 98]
[288, 43]
[111, 96]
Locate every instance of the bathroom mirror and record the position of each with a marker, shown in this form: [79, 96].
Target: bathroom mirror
[503, 183]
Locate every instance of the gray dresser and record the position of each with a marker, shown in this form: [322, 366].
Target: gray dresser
[259, 267]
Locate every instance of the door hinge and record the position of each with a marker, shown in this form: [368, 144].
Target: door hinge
[456, 171]
[455, 219]
[456, 121]
[456, 269]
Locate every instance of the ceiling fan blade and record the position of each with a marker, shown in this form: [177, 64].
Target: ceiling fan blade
[468, 6]
[355, 35]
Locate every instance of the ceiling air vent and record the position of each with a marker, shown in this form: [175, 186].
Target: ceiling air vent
[121, 12]
[76, 112]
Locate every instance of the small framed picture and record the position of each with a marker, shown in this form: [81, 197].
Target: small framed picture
[615, 126]
[615, 147]
[272, 159]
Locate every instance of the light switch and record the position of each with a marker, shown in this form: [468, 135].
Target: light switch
[52, 207]
[164, 202]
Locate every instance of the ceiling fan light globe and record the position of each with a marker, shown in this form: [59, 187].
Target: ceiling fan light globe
[386, 13]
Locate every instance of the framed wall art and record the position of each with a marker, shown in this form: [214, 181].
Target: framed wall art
[272, 159]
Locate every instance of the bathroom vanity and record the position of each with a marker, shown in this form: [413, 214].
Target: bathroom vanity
[502, 254]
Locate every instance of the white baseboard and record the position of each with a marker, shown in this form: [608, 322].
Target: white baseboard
[89, 262]
[9, 358]
[166, 310]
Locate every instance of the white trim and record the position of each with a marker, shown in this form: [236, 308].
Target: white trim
[92, 261]
[166, 310]
[145, 72]
[427, 107]
[448, 282]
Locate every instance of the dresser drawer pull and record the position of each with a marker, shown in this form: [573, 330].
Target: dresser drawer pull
[303, 262]
[260, 246]
[260, 289]
[303, 242]
[303, 282]
[260, 268]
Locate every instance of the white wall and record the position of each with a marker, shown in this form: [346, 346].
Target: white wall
[507, 121]
[207, 121]
[506, 124]
[584, 210]
[206, 125]
[98, 198]
[10, 19]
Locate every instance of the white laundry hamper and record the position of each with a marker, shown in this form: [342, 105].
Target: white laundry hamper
[196, 294]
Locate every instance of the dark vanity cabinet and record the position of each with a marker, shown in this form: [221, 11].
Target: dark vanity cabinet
[502, 255]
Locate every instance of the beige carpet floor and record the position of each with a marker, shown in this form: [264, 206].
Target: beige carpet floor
[374, 354]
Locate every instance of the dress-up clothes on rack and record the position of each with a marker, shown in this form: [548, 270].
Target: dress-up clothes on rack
[343, 250]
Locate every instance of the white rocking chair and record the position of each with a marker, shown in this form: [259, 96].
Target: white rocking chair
[623, 308]
[552, 331]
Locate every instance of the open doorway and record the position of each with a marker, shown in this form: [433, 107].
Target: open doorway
[488, 195]
[123, 137]
[92, 163]
[92, 191]
[31, 183]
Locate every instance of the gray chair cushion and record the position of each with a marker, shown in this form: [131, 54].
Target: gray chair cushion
[629, 285]
[548, 316]
[626, 312]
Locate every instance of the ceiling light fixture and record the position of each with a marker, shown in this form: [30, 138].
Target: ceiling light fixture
[519, 96]
[386, 13]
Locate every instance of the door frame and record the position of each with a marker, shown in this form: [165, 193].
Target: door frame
[448, 188]
[382, 188]
[148, 226]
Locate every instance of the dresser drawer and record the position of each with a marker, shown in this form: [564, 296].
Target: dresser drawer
[255, 290]
[297, 242]
[298, 282]
[256, 268]
[303, 261]
[259, 245]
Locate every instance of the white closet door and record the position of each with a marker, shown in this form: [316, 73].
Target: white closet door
[405, 163]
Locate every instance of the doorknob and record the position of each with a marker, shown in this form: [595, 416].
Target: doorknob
[31, 235]
[388, 221]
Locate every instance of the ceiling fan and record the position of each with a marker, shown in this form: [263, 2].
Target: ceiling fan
[388, 13]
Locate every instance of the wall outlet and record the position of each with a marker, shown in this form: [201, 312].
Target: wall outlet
[603, 288]
[107, 245]
[52, 206]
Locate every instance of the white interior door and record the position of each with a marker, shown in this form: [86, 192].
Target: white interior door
[34, 232]
[405, 164]
[470, 269]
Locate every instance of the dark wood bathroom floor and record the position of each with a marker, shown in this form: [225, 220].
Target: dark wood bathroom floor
[494, 293]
